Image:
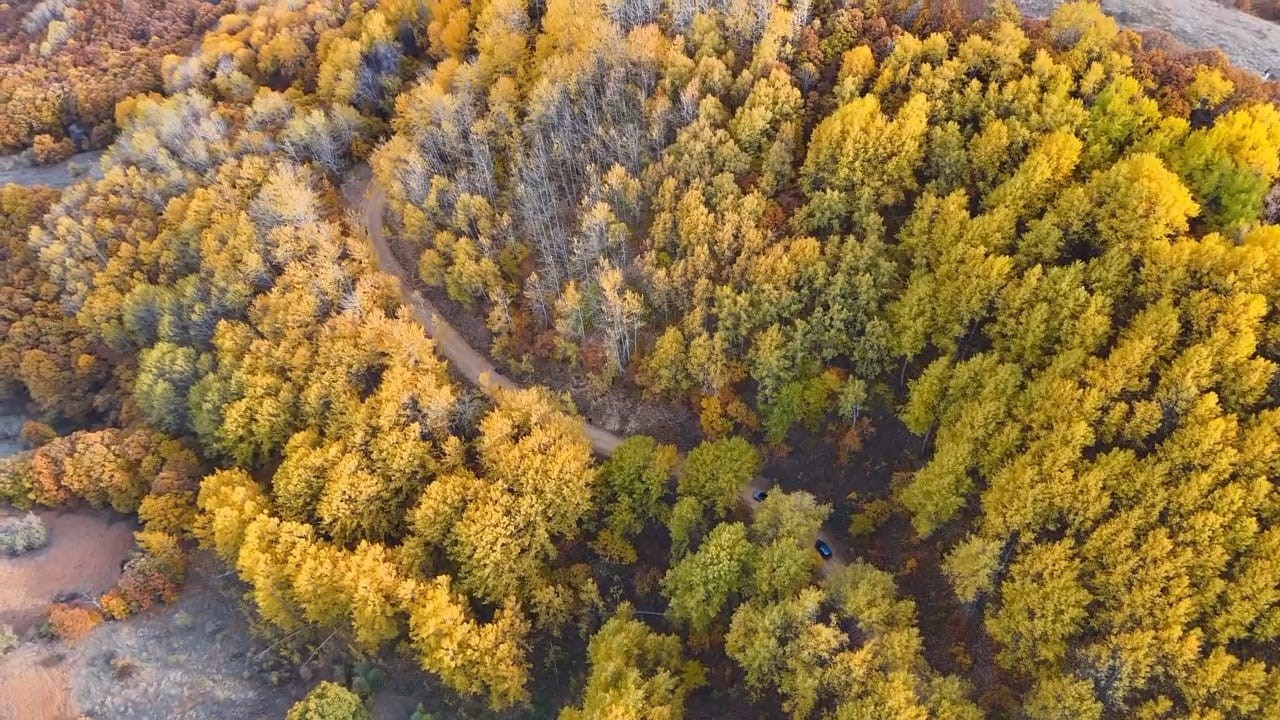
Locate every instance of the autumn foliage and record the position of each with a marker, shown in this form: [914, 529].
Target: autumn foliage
[72, 622]
[66, 63]
[1045, 248]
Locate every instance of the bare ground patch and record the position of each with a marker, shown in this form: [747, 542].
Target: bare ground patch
[1250, 42]
[21, 170]
[33, 684]
[83, 556]
[192, 660]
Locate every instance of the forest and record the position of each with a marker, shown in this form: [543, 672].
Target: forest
[64, 64]
[1034, 263]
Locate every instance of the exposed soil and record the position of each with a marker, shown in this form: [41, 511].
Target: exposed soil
[20, 170]
[1250, 42]
[33, 684]
[83, 556]
[192, 660]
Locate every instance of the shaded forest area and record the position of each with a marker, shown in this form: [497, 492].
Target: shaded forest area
[994, 301]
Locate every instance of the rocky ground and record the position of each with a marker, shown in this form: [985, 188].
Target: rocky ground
[192, 660]
[1250, 42]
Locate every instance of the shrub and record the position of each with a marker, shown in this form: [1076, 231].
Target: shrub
[36, 434]
[47, 150]
[71, 622]
[871, 517]
[21, 535]
[148, 578]
[15, 480]
[328, 701]
[8, 639]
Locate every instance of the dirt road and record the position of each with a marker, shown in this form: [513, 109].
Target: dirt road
[368, 201]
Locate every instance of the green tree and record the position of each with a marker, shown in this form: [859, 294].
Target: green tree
[702, 586]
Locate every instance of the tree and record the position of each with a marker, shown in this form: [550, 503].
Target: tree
[1042, 604]
[784, 528]
[786, 645]
[859, 159]
[710, 480]
[807, 647]
[500, 526]
[971, 566]
[229, 501]
[633, 482]
[635, 674]
[1060, 698]
[715, 472]
[166, 373]
[469, 657]
[702, 586]
[328, 701]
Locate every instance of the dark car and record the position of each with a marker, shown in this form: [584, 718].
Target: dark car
[823, 549]
[759, 495]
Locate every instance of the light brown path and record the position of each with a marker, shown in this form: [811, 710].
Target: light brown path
[369, 201]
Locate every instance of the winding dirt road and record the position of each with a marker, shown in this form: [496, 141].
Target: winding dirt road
[369, 202]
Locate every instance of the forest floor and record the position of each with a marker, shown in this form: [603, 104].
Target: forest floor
[195, 659]
[1250, 42]
[192, 660]
[83, 555]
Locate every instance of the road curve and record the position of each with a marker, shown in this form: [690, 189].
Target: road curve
[369, 202]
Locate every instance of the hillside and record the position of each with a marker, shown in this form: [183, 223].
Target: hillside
[1252, 42]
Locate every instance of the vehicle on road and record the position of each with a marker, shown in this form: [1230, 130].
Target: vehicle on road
[823, 549]
[759, 495]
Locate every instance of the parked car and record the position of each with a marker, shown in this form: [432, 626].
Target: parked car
[823, 549]
[759, 495]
